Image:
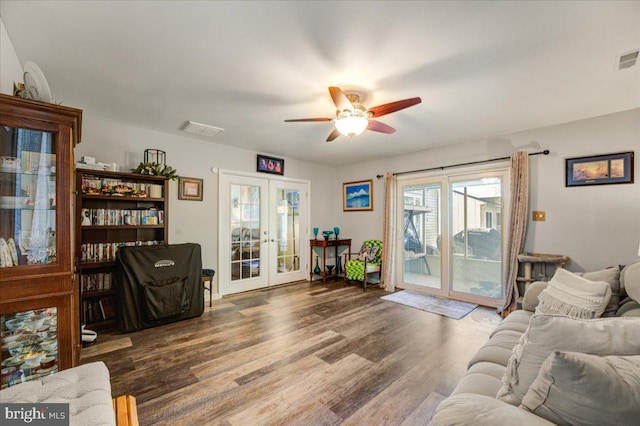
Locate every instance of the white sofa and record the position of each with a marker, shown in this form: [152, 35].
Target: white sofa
[86, 388]
[475, 400]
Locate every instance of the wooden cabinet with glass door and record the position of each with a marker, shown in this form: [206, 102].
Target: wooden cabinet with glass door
[38, 295]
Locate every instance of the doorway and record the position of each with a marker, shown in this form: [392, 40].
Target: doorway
[453, 240]
[263, 224]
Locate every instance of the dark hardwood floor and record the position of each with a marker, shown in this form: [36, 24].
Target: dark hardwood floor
[302, 354]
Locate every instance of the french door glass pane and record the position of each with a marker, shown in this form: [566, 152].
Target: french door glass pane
[288, 230]
[476, 212]
[245, 231]
[422, 235]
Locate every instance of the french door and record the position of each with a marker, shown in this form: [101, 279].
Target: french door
[453, 240]
[263, 228]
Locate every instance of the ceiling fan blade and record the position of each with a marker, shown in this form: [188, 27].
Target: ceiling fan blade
[380, 110]
[340, 99]
[307, 119]
[377, 126]
[333, 135]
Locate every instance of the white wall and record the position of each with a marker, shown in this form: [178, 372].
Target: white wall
[195, 221]
[595, 226]
[10, 68]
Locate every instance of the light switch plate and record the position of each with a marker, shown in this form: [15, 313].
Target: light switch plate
[539, 215]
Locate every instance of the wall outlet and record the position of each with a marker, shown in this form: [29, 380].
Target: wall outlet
[539, 215]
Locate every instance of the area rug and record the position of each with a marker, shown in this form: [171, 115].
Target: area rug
[437, 305]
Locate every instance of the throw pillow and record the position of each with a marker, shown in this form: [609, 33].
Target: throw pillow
[548, 333]
[612, 277]
[580, 389]
[362, 255]
[572, 295]
[367, 253]
[373, 252]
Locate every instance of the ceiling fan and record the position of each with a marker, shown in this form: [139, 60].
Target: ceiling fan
[352, 118]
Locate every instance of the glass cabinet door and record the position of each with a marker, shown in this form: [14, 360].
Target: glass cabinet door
[27, 197]
[29, 345]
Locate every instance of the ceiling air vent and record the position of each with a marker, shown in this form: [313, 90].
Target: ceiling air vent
[627, 60]
[201, 129]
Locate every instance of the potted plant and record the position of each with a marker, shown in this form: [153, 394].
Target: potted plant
[156, 169]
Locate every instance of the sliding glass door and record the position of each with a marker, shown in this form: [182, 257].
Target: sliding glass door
[453, 239]
[476, 235]
[422, 244]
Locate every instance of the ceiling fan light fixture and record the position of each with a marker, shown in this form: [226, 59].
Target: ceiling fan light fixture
[351, 125]
[352, 118]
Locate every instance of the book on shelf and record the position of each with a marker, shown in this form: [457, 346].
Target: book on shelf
[92, 312]
[101, 309]
[106, 308]
[101, 281]
[120, 217]
[106, 252]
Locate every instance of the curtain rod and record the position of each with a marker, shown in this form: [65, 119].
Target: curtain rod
[545, 152]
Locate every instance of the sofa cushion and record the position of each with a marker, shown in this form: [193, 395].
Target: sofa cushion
[580, 389]
[612, 277]
[465, 409]
[85, 388]
[483, 378]
[547, 333]
[497, 349]
[630, 280]
[515, 321]
[570, 294]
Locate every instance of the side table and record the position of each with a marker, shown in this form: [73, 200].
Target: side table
[344, 243]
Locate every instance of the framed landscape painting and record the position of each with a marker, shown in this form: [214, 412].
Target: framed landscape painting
[599, 169]
[357, 196]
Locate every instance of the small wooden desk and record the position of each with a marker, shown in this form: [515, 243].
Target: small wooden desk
[342, 242]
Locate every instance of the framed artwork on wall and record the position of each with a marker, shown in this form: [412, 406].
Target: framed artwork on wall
[357, 196]
[271, 165]
[190, 189]
[603, 169]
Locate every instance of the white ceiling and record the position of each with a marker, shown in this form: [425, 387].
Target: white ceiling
[482, 69]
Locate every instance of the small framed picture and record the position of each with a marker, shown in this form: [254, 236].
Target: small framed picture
[190, 189]
[271, 165]
[603, 169]
[357, 196]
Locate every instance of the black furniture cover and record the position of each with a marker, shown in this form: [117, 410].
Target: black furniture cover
[158, 284]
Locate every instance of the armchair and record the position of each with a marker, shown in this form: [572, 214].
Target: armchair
[367, 267]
